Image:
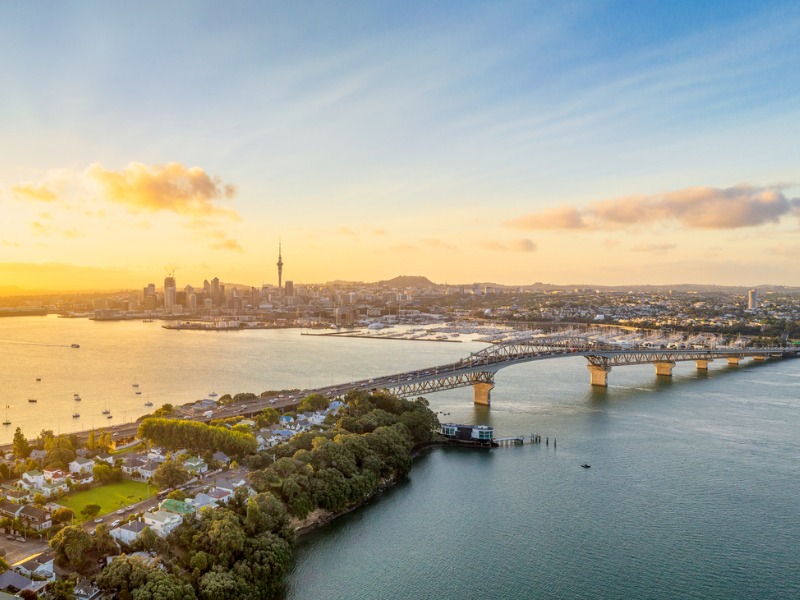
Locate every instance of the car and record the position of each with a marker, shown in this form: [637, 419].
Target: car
[116, 523]
[129, 507]
[11, 537]
[22, 539]
[272, 401]
[121, 511]
[98, 520]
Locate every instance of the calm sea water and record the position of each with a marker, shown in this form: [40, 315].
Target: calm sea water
[693, 490]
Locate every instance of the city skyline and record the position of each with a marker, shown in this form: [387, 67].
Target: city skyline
[611, 144]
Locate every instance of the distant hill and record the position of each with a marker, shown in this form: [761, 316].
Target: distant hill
[404, 281]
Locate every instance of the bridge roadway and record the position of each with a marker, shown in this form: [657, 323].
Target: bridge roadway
[479, 368]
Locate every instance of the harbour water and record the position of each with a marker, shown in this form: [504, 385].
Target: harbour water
[692, 491]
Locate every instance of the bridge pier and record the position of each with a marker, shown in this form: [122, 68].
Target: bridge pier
[702, 364]
[598, 375]
[734, 360]
[760, 358]
[664, 369]
[482, 393]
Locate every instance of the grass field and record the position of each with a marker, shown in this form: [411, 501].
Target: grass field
[110, 497]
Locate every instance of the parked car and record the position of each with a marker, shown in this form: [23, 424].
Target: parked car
[21, 539]
[116, 523]
[98, 520]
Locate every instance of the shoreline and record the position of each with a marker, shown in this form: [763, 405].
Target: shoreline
[319, 518]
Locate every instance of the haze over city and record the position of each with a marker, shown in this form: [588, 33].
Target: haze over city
[604, 143]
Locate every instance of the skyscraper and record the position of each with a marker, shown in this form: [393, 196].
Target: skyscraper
[752, 299]
[169, 294]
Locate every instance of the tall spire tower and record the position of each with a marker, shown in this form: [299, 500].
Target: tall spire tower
[280, 267]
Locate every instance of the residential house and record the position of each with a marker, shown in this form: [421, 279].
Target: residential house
[13, 582]
[158, 454]
[32, 480]
[285, 420]
[131, 466]
[18, 496]
[39, 566]
[201, 501]
[128, 532]
[86, 590]
[148, 468]
[317, 419]
[81, 465]
[221, 457]
[9, 510]
[37, 454]
[220, 495]
[162, 522]
[196, 465]
[105, 457]
[34, 517]
[178, 507]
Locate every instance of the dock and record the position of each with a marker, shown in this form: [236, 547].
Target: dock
[518, 440]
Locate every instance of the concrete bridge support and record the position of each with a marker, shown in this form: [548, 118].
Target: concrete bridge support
[734, 360]
[482, 393]
[664, 369]
[760, 358]
[702, 365]
[598, 375]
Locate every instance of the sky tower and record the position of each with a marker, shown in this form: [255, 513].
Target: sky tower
[280, 267]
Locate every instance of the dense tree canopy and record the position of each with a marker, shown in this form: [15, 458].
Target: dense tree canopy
[196, 437]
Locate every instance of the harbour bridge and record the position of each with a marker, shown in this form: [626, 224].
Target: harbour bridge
[479, 368]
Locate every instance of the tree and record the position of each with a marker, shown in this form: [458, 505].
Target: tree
[122, 576]
[28, 595]
[63, 589]
[90, 511]
[177, 495]
[63, 515]
[102, 473]
[163, 586]
[313, 402]
[170, 474]
[268, 416]
[20, 445]
[71, 545]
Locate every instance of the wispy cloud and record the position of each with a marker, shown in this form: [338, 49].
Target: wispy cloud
[695, 208]
[655, 248]
[34, 191]
[521, 245]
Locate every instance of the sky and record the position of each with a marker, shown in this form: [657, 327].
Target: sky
[588, 142]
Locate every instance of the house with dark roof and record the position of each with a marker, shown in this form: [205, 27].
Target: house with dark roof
[128, 532]
[9, 509]
[40, 565]
[13, 582]
[86, 590]
[35, 517]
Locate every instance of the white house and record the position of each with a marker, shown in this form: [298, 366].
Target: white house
[162, 522]
[81, 465]
[33, 479]
[41, 566]
[128, 532]
[196, 465]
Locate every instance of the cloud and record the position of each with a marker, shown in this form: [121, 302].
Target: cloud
[564, 217]
[172, 187]
[696, 208]
[40, 229]
[347, 231]
[227, 244]
[791, 251]
[655, 248]
[32, 191]
[438, 244]
[522, 245]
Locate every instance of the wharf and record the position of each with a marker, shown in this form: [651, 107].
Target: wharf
[379, 337]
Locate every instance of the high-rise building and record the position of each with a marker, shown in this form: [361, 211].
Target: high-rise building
[752, 299]
[170, 291]
[289, 291]
[215, 296]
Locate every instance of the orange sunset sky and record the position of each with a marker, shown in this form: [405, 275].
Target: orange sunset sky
[502, 142]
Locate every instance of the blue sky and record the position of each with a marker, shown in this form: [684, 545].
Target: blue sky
[447, 139]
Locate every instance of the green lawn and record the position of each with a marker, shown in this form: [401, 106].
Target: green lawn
[110, 497]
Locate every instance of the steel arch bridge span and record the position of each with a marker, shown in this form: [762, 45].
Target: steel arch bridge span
[479, 368]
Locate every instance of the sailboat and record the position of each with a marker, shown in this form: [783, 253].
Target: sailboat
[106, 411]
[7, 421]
